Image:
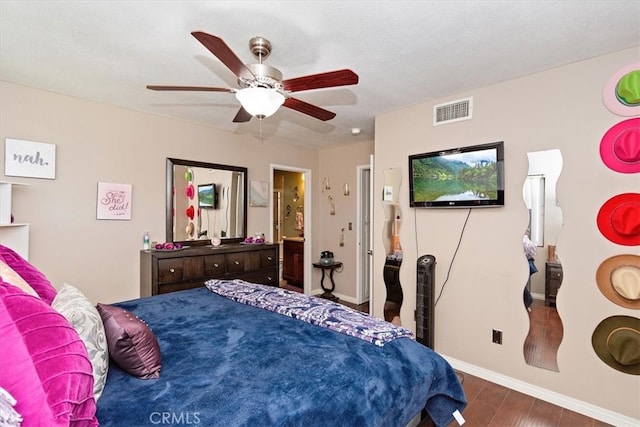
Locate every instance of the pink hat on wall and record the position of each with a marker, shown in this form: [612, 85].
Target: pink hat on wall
[619, 219]
[620, 146]
[621, 93]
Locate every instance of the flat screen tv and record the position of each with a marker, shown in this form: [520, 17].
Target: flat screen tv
[465, 177]
[207, 196]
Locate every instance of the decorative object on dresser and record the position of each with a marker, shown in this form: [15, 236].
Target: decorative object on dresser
[169, 271]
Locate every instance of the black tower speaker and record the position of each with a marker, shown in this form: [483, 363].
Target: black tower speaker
[425, 300]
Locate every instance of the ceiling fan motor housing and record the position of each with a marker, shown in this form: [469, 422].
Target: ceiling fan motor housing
[265, 76]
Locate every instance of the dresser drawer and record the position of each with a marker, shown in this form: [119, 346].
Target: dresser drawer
[265, 277]
[193, 267]
[235, 262]
[269, 258]
[170, 270]
[214, 266]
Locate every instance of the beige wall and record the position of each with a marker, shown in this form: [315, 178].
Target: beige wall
[339, 164]
[560, 108]
[100, 143]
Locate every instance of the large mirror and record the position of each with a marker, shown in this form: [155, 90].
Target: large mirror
[545, 268]
[205, 200]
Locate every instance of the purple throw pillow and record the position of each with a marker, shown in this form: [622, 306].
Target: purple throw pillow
[132, 344]
[29, 273]
[44, 364]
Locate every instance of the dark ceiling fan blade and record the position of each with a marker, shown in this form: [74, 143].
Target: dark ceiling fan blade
[221, 51]
[242, 116]
[309, 109]
[192, 88]
[322, 80]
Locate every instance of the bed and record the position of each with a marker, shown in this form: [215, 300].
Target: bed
[230, 362]
[230, 353]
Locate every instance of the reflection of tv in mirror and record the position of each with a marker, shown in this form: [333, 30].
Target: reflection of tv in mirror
[463, 177]
[207, 196]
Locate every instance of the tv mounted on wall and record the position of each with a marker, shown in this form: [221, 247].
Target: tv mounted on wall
[207, 196]
[463, 177]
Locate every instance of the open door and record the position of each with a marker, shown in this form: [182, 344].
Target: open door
[364, 233]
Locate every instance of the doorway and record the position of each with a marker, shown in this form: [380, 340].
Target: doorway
[364, 265]
[290, 213]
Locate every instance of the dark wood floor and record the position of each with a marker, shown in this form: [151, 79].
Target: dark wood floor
[493, 405]
[544, 338]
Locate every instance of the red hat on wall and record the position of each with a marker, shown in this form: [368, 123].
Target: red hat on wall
[620, 146]
[619, 219]
[191, 212]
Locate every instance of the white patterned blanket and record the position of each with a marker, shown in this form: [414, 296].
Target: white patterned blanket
[316, 311]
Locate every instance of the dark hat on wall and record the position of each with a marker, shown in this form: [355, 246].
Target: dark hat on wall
[621, 93]
[616, 341]
[620, 146]
[619, 219]
[618, 278]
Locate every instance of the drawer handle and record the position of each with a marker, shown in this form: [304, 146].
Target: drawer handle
[236, 262]
[172, 270]
[270, 279]
[216, 265]
[269, 258]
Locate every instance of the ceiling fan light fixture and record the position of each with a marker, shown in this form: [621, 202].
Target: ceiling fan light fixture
[260, 102]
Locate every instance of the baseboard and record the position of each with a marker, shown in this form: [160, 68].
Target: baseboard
[558, 399]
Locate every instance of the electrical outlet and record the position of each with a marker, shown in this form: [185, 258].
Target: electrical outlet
[497, 336]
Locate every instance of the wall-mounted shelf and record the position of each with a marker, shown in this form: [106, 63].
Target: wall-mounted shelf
[13, 235]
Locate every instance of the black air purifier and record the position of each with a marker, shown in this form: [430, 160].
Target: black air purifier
[425, 300]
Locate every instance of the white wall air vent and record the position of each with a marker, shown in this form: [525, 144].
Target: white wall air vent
[454, 111]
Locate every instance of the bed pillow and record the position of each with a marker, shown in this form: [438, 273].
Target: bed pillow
[85, 319]
[132, 344]
[45, 366]
[10, 276]
[29, 273]
[8, 415]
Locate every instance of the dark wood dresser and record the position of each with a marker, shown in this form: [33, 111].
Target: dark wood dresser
[169, 271]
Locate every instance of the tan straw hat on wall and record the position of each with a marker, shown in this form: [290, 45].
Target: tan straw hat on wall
[618, 278]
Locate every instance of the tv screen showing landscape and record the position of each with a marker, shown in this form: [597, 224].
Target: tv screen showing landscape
[207, 196]
[464, 177]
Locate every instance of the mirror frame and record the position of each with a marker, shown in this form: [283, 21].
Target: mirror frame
[171, 162]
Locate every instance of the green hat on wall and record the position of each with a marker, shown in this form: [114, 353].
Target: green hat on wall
[616, 341]
[628, 88]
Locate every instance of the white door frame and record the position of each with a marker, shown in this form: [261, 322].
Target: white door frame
[308, 185]
[364, 285]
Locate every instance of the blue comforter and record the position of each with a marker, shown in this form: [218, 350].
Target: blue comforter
[230, 364]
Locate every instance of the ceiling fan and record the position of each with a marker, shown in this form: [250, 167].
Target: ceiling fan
[261, 88]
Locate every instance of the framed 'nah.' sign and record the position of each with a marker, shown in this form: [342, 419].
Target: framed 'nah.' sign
[29, 159]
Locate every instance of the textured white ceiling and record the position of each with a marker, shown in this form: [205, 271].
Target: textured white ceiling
[405, 52]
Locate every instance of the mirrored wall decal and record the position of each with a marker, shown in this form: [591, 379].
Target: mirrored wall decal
[539, 246]
[391, 238]
[205, 201]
